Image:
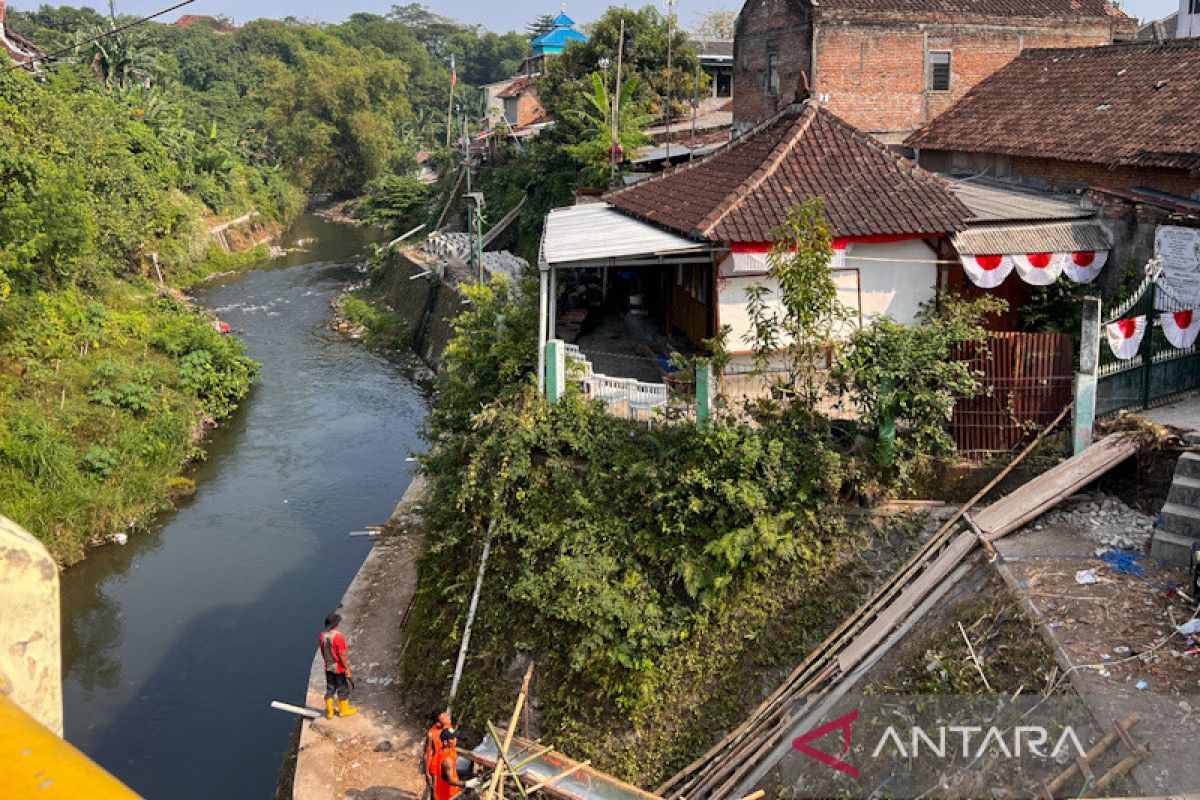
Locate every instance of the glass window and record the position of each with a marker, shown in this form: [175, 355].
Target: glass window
[773, 74]
[939, 70]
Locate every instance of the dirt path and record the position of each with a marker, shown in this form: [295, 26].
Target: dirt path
[1115, 638]
[374, 755]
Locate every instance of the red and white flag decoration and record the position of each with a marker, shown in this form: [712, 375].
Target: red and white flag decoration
[1125, 336]
[1036, 269]
[1180, 327]
[1084, 265]
[1039, 269]
[987, 271]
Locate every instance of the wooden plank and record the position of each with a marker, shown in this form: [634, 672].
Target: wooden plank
[521, 746]
[910, 598]
[1049, 488]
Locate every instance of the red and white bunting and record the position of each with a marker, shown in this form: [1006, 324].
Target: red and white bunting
[1125, 336]
[1180, 327]
[1039, 269]
[1036, 269]
[987, 271]
[1083, 266]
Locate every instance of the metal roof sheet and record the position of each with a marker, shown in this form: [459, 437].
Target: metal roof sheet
[992, 202]
[1048, 237]
[598, 231]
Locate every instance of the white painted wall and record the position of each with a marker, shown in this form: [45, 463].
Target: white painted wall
[1189, 19]
[896, 287]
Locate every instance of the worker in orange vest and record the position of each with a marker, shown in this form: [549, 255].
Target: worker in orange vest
[448, 784]
[433, 748]
[337, 669]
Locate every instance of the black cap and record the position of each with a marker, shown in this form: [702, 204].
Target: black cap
[448, 734]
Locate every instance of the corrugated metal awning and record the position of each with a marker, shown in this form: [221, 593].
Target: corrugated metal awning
[1047, 237]
[597, 233]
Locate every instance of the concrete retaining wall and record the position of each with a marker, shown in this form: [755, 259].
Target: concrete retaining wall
[428, 304]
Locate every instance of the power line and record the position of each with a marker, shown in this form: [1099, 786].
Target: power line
[52, 56]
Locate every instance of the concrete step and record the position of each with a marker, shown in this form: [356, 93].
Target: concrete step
[1185, 492]
[1172, 548]
[1179, 519]
[1188, 465]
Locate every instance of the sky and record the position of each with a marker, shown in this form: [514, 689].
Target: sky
[498, 16]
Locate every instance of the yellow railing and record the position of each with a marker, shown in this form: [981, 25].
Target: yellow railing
[38, 764]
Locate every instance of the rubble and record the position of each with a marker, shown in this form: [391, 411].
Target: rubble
[1104, 520]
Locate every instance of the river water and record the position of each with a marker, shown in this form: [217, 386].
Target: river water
[175, 644]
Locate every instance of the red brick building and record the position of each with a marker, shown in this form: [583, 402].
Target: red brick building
[889, 66]
[1121, 123]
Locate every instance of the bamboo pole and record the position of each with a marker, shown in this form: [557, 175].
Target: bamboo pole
[558, 777]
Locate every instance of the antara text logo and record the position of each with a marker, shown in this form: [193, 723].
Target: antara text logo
[944, 742]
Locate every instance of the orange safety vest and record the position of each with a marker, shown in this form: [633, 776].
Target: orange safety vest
[443, 789]
[431, 765]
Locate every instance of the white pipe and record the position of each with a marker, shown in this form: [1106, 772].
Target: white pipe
[466, 640]
[299, 711]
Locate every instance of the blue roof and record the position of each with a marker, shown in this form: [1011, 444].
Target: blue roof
[563, 21]
[558, 38]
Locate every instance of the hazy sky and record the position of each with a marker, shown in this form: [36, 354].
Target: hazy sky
[499, 16]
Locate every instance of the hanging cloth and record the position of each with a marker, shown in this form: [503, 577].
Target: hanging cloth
[1039, 269]
[1180, 327]
[1125, 336]
[1083, 266]
[987, 271]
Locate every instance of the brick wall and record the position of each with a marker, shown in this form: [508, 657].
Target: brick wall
[871, 68]
[529, 108]
[873, 73]
[1055, 174]
[782, 27]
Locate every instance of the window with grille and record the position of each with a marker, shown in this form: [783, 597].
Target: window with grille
[939, 69]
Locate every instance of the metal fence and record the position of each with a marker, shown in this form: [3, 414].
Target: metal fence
[1026, 380]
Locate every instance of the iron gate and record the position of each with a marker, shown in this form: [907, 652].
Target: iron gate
[1159, 373]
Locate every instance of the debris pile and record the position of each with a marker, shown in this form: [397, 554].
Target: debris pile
[1105, 520]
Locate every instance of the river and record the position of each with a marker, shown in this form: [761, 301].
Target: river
[175, 644]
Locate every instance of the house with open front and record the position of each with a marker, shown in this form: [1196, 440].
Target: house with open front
[664, 264]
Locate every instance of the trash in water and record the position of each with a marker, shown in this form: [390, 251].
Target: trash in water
[1141, 685]
[1103, 673]
[1121, 650]
[1086, 577]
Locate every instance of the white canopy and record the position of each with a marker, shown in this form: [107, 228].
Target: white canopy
[596, 235]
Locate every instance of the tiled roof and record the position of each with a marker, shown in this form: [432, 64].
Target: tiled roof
[518, 85]
[742, 192]
[1134, 104]
[1072, 9]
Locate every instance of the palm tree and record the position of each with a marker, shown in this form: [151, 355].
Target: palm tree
[596, 151]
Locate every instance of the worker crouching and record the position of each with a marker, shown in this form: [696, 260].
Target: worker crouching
[337, 667]
[447, 784]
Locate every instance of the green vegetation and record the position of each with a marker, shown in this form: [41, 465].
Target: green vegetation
[383, 329]
[112, 171]
[644, 569]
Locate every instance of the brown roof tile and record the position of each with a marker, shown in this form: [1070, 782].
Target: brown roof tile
[1135, 104]
[1069, 9]
[743, 191]
[518, 85]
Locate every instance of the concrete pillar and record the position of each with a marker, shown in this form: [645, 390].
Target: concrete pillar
[704, 393]
[556, 369]
[1084, 415]
[30, 649]
[543, 294]
[553, 302]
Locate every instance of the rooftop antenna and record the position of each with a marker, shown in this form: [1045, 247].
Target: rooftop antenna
[670, 36]
[616, 109]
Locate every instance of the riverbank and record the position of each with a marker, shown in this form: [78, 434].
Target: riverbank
[377, 752]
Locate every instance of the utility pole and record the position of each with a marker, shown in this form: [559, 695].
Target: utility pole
[695, 108]
[616, 110]
[670, 36]
[450, 107]
[474, 206]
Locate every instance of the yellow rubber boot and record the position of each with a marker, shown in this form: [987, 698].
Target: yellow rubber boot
[344, 709]
[328, 708]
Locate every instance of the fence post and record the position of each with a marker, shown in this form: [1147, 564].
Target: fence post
[1087, 377]
[1147, 354]
[704, 392]
[887, 425]
[556, 369]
